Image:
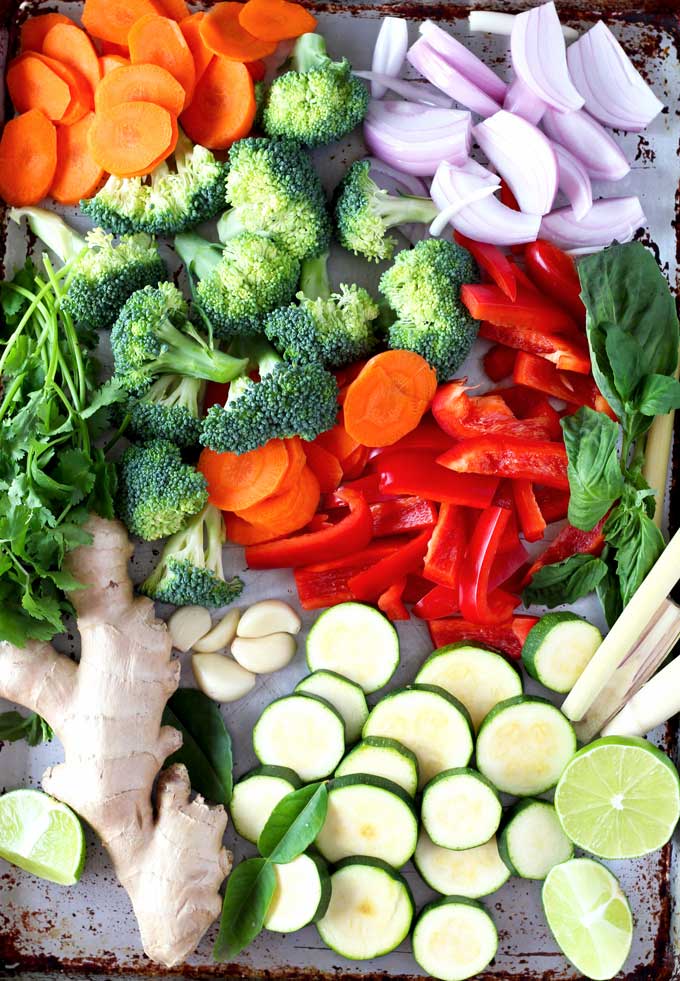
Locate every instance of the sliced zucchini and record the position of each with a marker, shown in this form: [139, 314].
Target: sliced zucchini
[460, 809]
[343, 694]
[454, 939]
[368, 816]
[357, 642]
[472, 873]
[303, 891]
[370, 911]
[383, 757]
[428, 721]
[558, 649]
[303, 732]
[532, 840]
[524, 745]
[477, 676]
[256, 795]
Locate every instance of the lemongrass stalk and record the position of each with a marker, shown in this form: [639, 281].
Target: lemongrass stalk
[494, 22]
[654, 703]
[657, 458]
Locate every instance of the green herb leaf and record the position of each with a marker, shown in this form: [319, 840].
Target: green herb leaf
[32, 728]
[637, 542]
[659, 395]
[294, 823]
[250, 889]
[608, 591]
[595, 478]
[206, 747]
[566, 581]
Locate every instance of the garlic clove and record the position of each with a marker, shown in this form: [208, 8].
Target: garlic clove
[221, 634]
[268, 617]
[221, 678]
[264, 654]
[187, 625]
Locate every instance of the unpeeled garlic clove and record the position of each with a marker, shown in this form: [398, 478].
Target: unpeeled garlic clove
[268, 617]
[187, 625]
[264, 654]
[221, 678]
[221, 634]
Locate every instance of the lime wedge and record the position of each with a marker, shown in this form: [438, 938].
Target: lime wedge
[619, 797]
[589, 916]
[42, 836]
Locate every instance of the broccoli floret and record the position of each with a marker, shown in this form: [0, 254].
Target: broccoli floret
[169, 200]
[319, 101]
[157, 491]
[289, 400]
[334, 329]
[423, 288]
[169, 409]
[364, 213]
[101, 275]
[154, 336]
[190, 568]
[241, 281]
[273, 189]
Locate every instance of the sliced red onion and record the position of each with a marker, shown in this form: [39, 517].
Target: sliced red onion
[416, 138]
[414, 91]
[609, 220]
[613, 89]
[521, 100]
[485, 220]
[539, 57]
[444, 217]
[588, 141]
[574, 181]
[444, 76]
[493, 22]
[463, 60]
[523, 156]
[389, 52]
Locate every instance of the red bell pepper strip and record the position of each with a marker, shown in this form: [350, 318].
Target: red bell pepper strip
[567, 353]
[477, 603]
[416, 588]
[391, 602]
[555, 273]
[511, 557]
[527, 403]
[523, 281]
[508, 638]
[355, 464]
[510, 456]
[319, 522]
[325, 583]
[570, 541]
[441, 601]
[530, 310]
[347, 537]
[401, 515]
[554, 504]
[371, 583]
[417, 472]
[369, 486]
[426, 436]
[544, 377]
[447, 547]
[494, 263]
[499, 361]
[528, 511]
[462, 416]
[216, 393]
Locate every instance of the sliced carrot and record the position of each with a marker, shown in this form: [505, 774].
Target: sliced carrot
[223, 107]
[77, 175]
[190, 28]
[108, 63]
[338, 442]
[276, 20]
[177, 9]
[236, 482]
[111, 48]
[325, 467]
[111, 20]
[70, 45]
[223, 33]
[140, 83]
[156, 40]
[130, 139]
[34, 85]
[28, 158]
[35, 29]
[82, 96]
[242, 533]
[411, 373]
[289, 510]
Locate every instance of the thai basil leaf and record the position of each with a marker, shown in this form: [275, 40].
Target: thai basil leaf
[32, 728]
[637, 542]
[566, 581]
[608, 591]
[294, 824]
[659, 395]
[206, 743]
[595, 478]
[250, 889]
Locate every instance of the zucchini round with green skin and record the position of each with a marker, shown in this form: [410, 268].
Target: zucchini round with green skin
[472, 873]
[558, 648]
[532, 840]
[428, 721]
[383, 757]
[477, 676]
[460, 809]
[370, 912]
[256, 795]
[303, 732]
[344, 695]
[454, 938]
[524, 745]
[357, 642]
[303, 891]
[368, 816]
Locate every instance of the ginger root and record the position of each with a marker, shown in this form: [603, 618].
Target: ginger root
[107, 711]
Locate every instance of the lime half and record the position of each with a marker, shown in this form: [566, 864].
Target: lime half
[589, 916]
[42, 836]
[619, 797]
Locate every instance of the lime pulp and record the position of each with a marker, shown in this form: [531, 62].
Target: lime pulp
[41, 836]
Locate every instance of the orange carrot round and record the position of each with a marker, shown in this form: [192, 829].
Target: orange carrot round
[223, 107]
[289, 510]
[77, 175]
[34, 85]
[223, 33]
[338, 442]
[276, 20]
[108, 63]
[82, 96]
[191, 29]
[236, 482]
[139, 83]
[35, 29]
[111, 20]
[28, 158]
[240, 532]
[156, 40]
[176, 9]
[325, 467]
[68, 44]
[130, 139]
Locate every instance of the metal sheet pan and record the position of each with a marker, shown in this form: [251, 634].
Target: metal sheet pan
[89, 931]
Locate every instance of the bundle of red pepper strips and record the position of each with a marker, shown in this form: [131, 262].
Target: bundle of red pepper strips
[435, 518]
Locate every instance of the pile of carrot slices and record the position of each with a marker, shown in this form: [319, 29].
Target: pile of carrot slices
[107, 96]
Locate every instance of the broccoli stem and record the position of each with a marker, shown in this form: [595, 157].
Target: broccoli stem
[314, 281]
[52, 231]
[230, 225]
[408, 208]
[186, 356]
[309, 52]
[198, 255]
